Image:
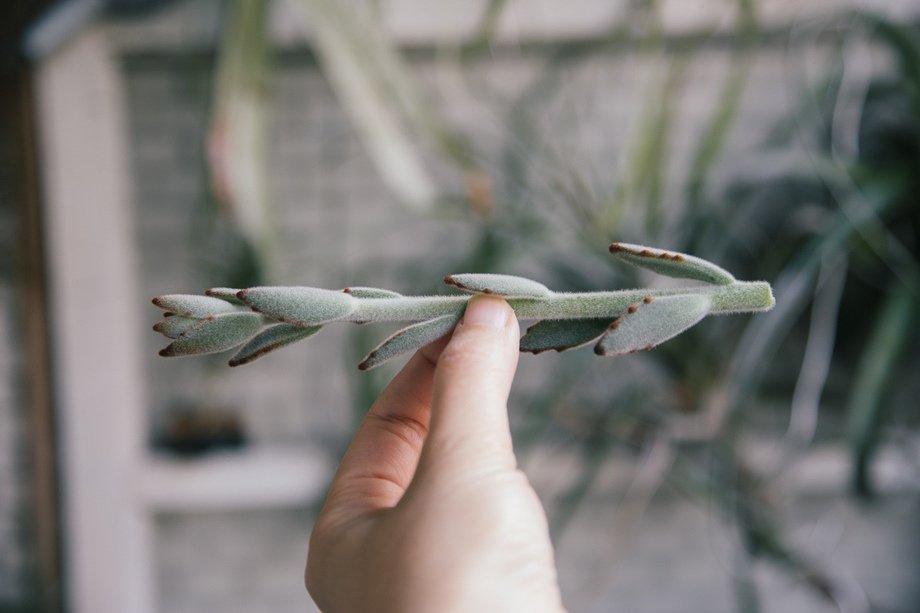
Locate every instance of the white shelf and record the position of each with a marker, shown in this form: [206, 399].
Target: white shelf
[252, 478]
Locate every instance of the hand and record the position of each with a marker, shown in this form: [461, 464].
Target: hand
[428, 511]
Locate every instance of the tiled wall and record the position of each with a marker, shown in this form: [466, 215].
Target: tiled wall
[339, 226]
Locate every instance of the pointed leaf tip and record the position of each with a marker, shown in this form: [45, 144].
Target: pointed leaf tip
[371, 292]
[174, 326]
[672, 263]
[274, 337]
[409, 339]
[224, 293]
[507, 286]
[215, 334]
[198, 307]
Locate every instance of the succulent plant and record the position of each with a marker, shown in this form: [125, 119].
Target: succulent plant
[263, 319]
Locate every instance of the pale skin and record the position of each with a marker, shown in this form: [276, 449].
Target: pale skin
[428, 511]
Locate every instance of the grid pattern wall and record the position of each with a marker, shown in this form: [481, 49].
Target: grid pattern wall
[337, 225]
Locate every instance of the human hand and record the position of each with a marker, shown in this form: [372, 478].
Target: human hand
[428, 511]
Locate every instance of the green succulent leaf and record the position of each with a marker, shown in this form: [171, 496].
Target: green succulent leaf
[409, 339]
[299, 306]
[225, 293]
[198, 307]
[215, 334]
[507, 286]
[371, 292]
[562, 334]
[672, 264]
[652, 322]
[268, 340]
[175, 325]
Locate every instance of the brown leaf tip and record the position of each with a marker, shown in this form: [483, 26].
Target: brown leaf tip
[449, 280]
[242, 295]
[646, 253]
[647, 300]
[167, 352]
[632, 308]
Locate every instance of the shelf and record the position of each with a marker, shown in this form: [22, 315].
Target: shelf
[254, 478]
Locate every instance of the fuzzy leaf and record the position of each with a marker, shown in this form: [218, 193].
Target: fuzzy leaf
[371, 292]
[562, 334]
[175, 325]
[672, 264]
[216, 334]
[224, 293]
[199, 307]
[409, 339]
[268, 340]
[299, 306]
[508, 286]
[652, 322]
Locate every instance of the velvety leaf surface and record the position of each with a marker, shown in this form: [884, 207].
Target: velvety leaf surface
[271, 338]
[508, 286]
[371, 292]
[217, 334]
[190, 305]
[409, 339]
[175, 325]
[225, 293]
[671, 263]
[652, 322]
[299, 306]
[562, 334]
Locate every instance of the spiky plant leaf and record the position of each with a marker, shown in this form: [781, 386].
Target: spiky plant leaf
[268, 340]
[672, 264]
[198, 307]
[299, 306]
[371, 292]
[409, 339]
[562, 334]
[508, 286]
[652, 322]
[215, 334]
[175, 325]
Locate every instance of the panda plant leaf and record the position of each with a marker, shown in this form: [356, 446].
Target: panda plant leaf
[262, 319]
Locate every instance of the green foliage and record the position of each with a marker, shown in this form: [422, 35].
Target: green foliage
[652, 322]
[409, 339]
[638, 319]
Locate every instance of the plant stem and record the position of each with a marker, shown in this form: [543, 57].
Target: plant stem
[740, 296]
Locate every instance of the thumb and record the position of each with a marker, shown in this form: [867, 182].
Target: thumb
[469, 416]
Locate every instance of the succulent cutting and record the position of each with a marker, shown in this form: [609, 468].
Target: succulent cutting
[262, 319]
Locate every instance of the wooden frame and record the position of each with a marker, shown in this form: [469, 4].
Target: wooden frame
[95, 328]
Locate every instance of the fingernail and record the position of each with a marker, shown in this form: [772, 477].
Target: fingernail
[488, 312]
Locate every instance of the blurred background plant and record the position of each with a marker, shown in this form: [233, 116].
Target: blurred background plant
[827, 207]
[529, 155]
